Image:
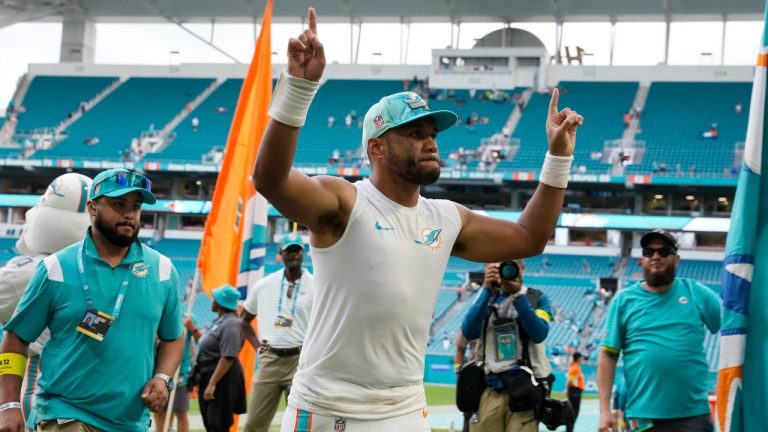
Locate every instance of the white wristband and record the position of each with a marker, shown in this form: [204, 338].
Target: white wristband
[10, 405]
[556, 170]
[291, 99]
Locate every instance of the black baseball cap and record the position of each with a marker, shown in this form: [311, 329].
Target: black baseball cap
[659, 234]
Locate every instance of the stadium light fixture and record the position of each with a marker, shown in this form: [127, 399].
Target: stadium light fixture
[658, 197]
[690, 197]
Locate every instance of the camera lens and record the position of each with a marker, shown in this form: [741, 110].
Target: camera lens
[508, 270]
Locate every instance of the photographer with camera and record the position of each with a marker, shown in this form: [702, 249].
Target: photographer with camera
[511, 322]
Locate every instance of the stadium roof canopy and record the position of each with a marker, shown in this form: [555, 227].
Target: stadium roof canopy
[12, 11]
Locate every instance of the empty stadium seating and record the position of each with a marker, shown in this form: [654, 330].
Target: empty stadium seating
[134, 107]
[602, 104]
[215, 117]
[50, 99]
[675, 115]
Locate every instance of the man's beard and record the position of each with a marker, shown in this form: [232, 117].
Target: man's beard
[662, 278]
[113, 236]
[409, 169]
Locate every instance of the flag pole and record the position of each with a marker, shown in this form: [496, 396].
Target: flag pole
[187, 314]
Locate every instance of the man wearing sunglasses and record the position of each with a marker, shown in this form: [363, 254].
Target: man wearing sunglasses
[105, 300]
[659, 324]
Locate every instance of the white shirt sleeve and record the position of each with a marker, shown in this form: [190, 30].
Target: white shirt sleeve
[14, 277]
[251, 303]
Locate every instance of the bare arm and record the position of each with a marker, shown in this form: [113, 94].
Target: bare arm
[288, 189]
[248, 332]
[10, 386]
[606, 372]
[479, 239]
[169, 354]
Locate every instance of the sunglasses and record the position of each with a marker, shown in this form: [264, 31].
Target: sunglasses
[662, 251]
[130, 179]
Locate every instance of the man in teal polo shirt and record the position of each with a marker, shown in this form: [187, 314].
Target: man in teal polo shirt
[100, 374]
[659, 324]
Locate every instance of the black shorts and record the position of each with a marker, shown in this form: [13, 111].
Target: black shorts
[181, 400]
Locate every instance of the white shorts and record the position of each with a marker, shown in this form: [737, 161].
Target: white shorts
[296, 420]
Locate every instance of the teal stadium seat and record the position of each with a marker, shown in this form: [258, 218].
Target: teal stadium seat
[7, 250]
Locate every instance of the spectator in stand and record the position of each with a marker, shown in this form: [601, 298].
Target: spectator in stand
[195, 124]
[711, 133]
[331, 121]
[737, 108]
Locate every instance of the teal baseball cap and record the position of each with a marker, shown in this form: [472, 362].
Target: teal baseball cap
[291, 239]
[226, 296]
[401, 108]
[117, 182]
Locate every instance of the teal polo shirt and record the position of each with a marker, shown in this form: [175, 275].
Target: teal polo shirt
[98, 383]
[662, 339]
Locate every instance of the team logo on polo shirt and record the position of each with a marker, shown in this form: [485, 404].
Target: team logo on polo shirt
[683, 300]
[341, 425]
[140, 270]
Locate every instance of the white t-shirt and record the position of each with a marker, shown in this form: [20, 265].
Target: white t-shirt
[264, 301]
[375, 292]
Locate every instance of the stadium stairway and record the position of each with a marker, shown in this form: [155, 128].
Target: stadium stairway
[88, 105]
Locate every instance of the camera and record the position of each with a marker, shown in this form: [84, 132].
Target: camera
[554, 413]
[509, 270]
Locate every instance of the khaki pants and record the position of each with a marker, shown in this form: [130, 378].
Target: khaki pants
[494, 415]
[270, 381]
[74, 426]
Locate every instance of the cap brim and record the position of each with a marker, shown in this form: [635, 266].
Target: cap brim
[147, 197]
[443, 119]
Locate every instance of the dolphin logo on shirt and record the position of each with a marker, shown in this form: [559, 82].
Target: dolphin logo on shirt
[431, 238]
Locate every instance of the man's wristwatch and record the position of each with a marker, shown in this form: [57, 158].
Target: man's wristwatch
[168, 380]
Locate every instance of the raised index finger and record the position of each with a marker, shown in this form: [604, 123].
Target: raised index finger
[312, 16]
[553, 102]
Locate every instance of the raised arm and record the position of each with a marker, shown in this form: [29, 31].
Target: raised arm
[486, 239]
[310, 201]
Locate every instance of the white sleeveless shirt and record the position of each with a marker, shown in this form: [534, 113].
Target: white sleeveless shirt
[375, 290]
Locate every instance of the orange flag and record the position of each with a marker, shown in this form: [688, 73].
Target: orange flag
[230, 221]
